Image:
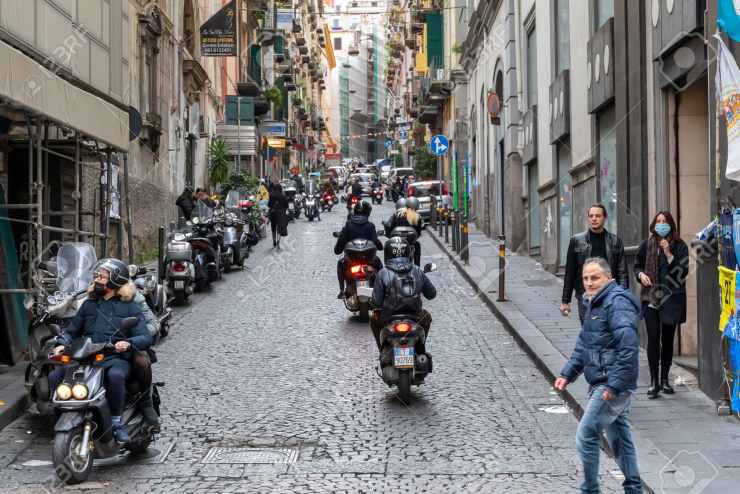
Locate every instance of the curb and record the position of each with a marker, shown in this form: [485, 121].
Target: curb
[16, 403]
[545, 356]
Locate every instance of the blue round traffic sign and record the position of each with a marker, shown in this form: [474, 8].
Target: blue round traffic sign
[439, 145]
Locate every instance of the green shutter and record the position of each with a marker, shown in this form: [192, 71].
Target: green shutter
[435, 40]
[246, 113]
[279, 44]
[255, 63]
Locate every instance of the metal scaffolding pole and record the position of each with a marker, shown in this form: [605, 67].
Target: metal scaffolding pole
[77, 194]
[39, 195]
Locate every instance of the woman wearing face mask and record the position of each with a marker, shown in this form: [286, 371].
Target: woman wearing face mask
[661, 267]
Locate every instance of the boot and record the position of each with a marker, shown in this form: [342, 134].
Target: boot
[665, 386]
[147, 410]
[119, 430]
[654, 388]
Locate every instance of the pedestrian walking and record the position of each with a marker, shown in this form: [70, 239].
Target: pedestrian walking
[661, 267]
[594, 242]
[278, 205]
[606, 353]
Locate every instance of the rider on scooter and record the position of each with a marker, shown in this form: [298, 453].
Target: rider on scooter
[358, 226]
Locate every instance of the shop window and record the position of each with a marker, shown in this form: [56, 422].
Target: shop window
[533, 197]
[565, 201]
[608, 166]
[603, 10]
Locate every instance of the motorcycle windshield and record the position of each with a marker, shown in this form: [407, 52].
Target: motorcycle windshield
[75, 262]
[232, 199]
[202, 212]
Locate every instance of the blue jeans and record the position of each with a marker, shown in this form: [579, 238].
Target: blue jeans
[611, 416]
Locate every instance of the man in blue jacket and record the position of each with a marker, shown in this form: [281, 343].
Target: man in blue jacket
[606, 354]
[99, 318]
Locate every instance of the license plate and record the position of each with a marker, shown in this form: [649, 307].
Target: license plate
[179, 285]
[364, 289]
[291, 206]
[403, 357]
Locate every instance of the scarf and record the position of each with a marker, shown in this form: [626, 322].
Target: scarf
[651, 269]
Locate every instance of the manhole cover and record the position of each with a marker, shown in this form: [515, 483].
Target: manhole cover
[251, 455]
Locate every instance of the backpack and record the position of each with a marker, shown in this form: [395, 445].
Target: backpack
[404, 293]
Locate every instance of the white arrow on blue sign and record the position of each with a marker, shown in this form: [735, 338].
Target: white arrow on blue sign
[439, 145]
[388, 143]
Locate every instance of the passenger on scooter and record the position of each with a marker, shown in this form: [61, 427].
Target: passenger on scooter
[406, 215]
[358, 226]
[398, 289]
[111, 299]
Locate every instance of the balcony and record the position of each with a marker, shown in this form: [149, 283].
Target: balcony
[240, 139]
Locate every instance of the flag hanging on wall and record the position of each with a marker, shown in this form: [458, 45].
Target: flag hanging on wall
[728, 94]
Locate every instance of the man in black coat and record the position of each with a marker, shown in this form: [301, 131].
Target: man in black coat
[358, 226]
[595, 242]
[186, 203]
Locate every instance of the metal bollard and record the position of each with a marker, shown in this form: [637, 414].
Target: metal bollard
[447, 226]
[433, 216]
[464, 234]
[501, 268]
[440, 221]
[160, 253]
[453, 214]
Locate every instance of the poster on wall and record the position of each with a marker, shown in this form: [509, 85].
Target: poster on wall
[728, 93]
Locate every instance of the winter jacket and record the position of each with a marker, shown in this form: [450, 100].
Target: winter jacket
[671, 280]
[101, 319]
[607, 349]
[152, 324]
[358, 226]
[278, 205]
[186, 204]
[385, 289]
[579, 250]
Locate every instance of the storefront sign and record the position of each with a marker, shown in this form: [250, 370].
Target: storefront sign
[273, 129]
[218, 34]
[276, 143]
[284, 19]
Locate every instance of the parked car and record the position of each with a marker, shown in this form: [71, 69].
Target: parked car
[424, 191]
[341, 173]
[365, 179]
[399, 172]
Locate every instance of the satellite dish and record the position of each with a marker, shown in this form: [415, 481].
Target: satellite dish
[134, 123]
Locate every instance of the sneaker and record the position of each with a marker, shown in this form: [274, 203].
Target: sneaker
[341, 295]
[121, 434]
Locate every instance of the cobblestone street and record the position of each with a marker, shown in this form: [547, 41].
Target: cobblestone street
[270, 358]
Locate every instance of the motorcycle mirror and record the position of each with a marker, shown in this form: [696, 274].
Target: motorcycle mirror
[28, 302]
[335, 234]
[55, 329]
[430, 267]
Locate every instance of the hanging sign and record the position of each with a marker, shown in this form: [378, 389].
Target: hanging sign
[728, 93]
[218, 34]
[727, 295]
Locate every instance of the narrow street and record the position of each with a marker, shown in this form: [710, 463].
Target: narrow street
[271, 359]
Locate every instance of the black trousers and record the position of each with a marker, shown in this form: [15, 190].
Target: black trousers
[660, 344]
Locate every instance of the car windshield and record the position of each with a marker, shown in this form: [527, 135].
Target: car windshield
[75, 261]
[404, 172]
[426, 188]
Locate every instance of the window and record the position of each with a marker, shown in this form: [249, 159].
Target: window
[533, 182]
[562, 36]
[608, 166]
[531, 67]
[603, 11]
[565, 200]
[337, 43]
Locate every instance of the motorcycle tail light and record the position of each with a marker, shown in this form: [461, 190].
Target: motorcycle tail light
[65, 359]
[358, 270]
[402, 327]
[179, 267]
[411, 191]
[99, 357]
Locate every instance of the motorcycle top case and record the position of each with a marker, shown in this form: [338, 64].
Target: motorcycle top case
[179, 251]
[361, 249]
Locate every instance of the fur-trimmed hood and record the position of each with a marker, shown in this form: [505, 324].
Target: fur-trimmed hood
[126, 293]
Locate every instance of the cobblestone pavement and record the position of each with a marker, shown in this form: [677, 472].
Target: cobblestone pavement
[270, 358]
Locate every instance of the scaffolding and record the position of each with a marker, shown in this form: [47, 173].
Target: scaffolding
[40, 147]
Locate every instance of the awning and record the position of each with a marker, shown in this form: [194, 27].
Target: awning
[26, 83]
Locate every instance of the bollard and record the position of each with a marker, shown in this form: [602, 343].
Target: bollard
[440, 221]
[464, 239]
[447, 226]
[433, 216]
[453, 214]
[501, 268]
[160, 253]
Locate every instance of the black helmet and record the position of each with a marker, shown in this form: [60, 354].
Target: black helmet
[118, 273]
[363, 208]
[397, 248]
[412, 203]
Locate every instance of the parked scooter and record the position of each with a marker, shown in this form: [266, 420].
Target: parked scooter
[55, 304]
[206, 244]
[235, 246]
[155, 293]
[180, 268]
[83, 430]
[403, 357]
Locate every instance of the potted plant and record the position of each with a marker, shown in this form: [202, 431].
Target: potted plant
[218, 154]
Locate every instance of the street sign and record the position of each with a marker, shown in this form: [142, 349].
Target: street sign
[403, 136]
[218, 34]
[388, 143]
[439, 145]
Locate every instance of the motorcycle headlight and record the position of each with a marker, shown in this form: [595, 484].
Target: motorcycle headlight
[79, 391]
[196, 220]
[64, 392]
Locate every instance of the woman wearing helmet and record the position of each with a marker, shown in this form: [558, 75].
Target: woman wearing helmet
[406, 215]
[358, 226]
[110, 301]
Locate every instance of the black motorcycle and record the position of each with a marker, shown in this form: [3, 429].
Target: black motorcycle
[83, 430]
[205, 242]
[359, 255]
[377, 196]
[403, 357]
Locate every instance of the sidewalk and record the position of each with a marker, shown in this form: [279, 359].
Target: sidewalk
[683, 446]
[13, 397]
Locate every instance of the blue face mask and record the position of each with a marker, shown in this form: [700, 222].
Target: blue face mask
[663, 229]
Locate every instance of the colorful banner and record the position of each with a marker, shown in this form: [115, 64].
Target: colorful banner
[727, 284]
[728, 92]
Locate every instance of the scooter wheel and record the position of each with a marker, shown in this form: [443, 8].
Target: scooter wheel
[404, 386]
[71, 468]
[180, 297]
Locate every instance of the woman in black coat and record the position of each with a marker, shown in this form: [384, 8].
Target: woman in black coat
[661, 267]
[278, 205]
